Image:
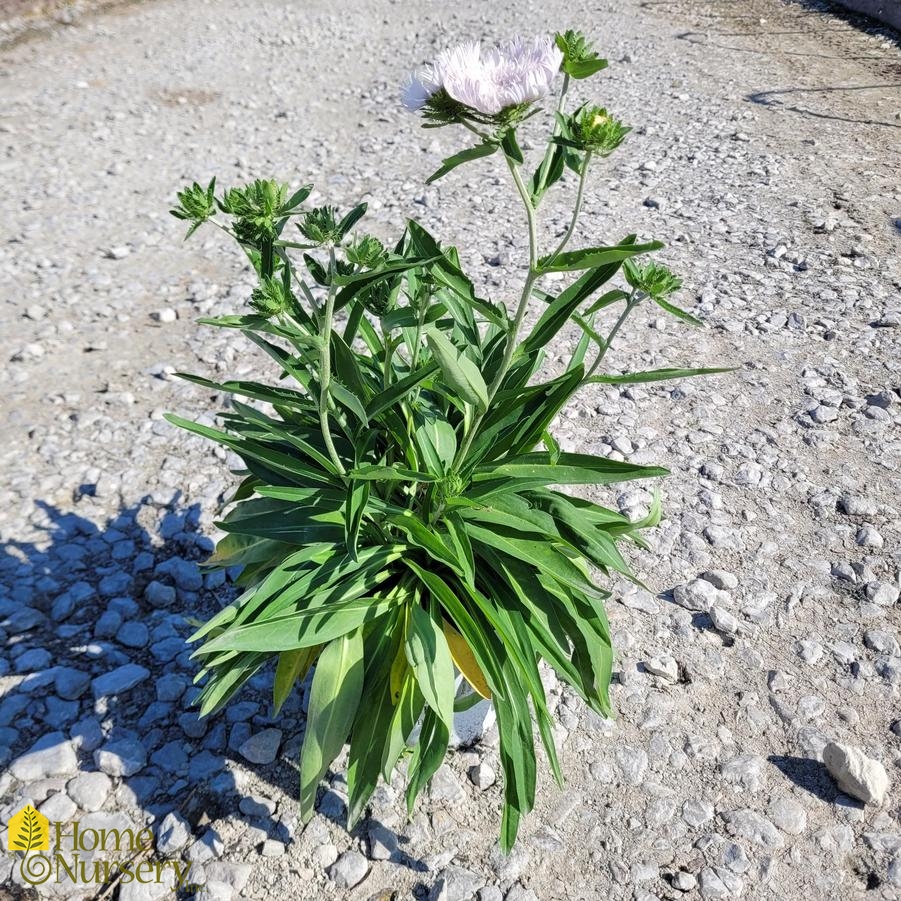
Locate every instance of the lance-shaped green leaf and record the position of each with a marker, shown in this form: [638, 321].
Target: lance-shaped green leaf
[511, 146]
[583, 68]
[430, 659]
[562, 307]
[375, 472]
[461, 374]
[589, 257]
[352, 285]
[570, 469]
[292, 667]
[334, 699]
[399, 390]
[357, 497]
[678, 312]
[655, 375]
[351, 219]
[464, 156]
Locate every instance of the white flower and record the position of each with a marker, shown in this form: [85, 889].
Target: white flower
[420, 86]
[489, 81]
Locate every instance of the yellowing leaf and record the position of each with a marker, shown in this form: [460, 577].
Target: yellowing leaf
[399, 670]
[292, 666]
[465, 661]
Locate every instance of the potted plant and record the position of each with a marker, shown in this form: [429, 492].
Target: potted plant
[403, 510]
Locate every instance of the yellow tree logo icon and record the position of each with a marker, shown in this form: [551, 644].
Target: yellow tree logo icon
[29, 830]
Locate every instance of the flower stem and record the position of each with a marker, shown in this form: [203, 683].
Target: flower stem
[325, 365]
[577, 209]
[631, 303]
[531, 278]
[424, 299]
[514, 326]
[549, 153]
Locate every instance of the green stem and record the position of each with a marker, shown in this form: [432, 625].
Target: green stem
[631, 303]
[514, 327]
[531, 278]
[325, 365]
[577, 209]
[549, 153]
[420, 323]
[267, 258]
[386, 362]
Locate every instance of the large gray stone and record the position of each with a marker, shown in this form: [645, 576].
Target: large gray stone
[51, 755]
[119, 680]
[348, 870]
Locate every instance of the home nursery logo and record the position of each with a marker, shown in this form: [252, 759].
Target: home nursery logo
[71, 852]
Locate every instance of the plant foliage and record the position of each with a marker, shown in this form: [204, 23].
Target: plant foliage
[403, 511]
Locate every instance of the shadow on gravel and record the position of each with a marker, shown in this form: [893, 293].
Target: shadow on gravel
[808, 774]
[93, 630]
[771, 100]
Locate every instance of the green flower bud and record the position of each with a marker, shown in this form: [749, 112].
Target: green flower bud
[653, 279]
[366, 251]
[256, 208]
[271, 297]
[379, 298]
[196, 205]
[580, 60]
[594, 129]
[321, 225]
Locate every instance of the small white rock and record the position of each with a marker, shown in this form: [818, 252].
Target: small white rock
[723, 620]
[855, 773]
[482, 776]
[663, 665]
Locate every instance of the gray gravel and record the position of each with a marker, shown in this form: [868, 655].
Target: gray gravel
[765, 155]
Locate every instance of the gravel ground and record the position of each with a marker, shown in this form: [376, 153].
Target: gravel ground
[765, 156]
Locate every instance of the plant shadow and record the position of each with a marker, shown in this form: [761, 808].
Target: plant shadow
[94, 622]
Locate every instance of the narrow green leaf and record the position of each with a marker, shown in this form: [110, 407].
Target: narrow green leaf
[605, 300]
[357, 497]
[430, 659]
[461, 373]
[351, 219]
[464, 156]
[590, 257]
[334, 698]
[302, 629]
[407, 713]
[570, 469]
[583, 68]
[399, 389]
[375, 472]
[511, 146]
[677, 312]
[347, 398]
[568, 301]
[292, 667]
[655, 375]
[427, 755]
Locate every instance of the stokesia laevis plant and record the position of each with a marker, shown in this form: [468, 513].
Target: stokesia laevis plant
[399, 512]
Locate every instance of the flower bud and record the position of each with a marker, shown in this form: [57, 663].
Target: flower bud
[594, 129]
[271, 297]
[579, 56]
[379, 298]
[320, 225]
[366, 251]
[655, 280]
[256, 208]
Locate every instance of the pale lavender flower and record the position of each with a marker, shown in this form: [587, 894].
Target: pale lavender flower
[419, 87]
[516, 72]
